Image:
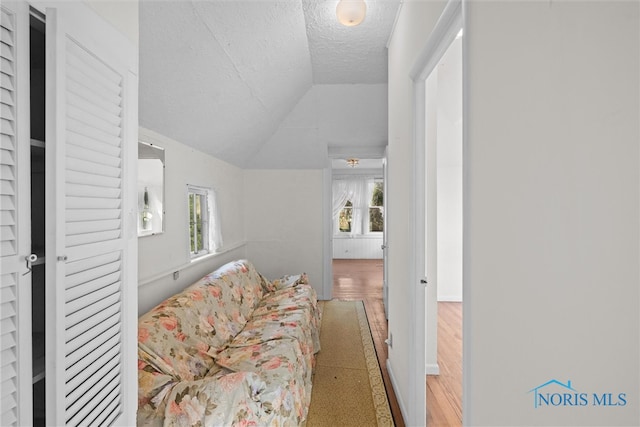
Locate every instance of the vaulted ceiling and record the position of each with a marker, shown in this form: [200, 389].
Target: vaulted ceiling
[265, 84]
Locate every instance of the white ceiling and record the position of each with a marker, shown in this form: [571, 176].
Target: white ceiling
[264, 84]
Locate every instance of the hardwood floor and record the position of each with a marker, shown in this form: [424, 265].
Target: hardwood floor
[362, 280]
[444, 391]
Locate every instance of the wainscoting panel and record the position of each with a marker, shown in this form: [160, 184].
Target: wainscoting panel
[359, 247]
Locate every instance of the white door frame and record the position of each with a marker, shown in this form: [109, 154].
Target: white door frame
[327, 237]
[445, 31]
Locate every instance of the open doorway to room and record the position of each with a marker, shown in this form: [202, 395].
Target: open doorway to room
[359, 250]
[443, 111]
[357, 217]
[438, 148]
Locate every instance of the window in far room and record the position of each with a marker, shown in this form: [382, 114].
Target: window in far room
[363, 212]
[346, 215]
[376, 210]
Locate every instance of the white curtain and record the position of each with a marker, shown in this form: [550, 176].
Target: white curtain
[215, 229]
[341, 196]
[354, 189]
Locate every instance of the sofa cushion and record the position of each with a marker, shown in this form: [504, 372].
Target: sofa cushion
[283, 368]
[183, 334]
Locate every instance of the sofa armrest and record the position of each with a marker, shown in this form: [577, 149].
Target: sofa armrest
[287, 281]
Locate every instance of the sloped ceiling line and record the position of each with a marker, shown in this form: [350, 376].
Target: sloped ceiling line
[198, 14]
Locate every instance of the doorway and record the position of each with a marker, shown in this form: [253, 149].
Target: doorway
[443, 119]
[357, 224]
[438, 194]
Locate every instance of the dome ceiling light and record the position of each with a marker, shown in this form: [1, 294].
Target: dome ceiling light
[351, 12]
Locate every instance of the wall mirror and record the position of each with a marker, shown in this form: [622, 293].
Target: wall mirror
[150, 189]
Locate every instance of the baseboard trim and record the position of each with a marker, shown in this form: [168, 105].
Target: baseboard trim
[394, 384]
[450, 298]
[432, 369]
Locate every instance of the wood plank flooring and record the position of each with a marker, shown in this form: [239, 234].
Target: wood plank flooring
[362, 280]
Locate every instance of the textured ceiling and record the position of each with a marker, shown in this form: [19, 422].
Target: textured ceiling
[225, 77]
[342, 54]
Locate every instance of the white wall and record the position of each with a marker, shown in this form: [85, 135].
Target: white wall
[340, 114]
[161, 254]
[415, 22]
[551, 210]
[283, 212]
[122, 14]
[449, 174]
[357, 247]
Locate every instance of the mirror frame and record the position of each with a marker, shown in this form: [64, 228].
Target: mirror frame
[150, 219]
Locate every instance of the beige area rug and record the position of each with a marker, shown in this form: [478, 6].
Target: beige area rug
[347, 384]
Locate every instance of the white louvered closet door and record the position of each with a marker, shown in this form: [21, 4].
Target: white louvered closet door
[15, 236]
[91, 306]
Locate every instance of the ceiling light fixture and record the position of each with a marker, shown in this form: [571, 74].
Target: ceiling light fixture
[351, 12]
[353, 162]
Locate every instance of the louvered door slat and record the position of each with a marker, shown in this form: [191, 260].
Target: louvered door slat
[78, 321]
[6, 111]
[96, 154]
[93, 286]
[103, 124]
[8, 369]
[7, 310]
[92, 203]
[94, 226]
[90, 263]
[100, 387]
[8, 341]
[95, 214]
[7, 172]
[76, 177]
[112, 406]
[100, 363]
[6, 97]
[85, 166]
[81, 190]
[87, 238]
[78, 361]
[78, 305]
[108, 115]
[12, 210]
[94, 337]
[78, 89]
[77, 140]
[87, 131]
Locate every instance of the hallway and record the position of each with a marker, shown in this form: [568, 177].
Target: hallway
[362, 280]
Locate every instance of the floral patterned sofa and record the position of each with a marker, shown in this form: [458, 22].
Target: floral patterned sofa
[232, 349]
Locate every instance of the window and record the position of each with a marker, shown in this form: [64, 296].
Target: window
[198, 221]
[363, 211]
[346, 215]
[376, 210]
[205, 232]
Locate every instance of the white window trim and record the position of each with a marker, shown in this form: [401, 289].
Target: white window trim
[206, 220]
[365, 218]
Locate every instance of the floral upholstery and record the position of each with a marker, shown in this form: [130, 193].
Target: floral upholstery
[231, 349]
